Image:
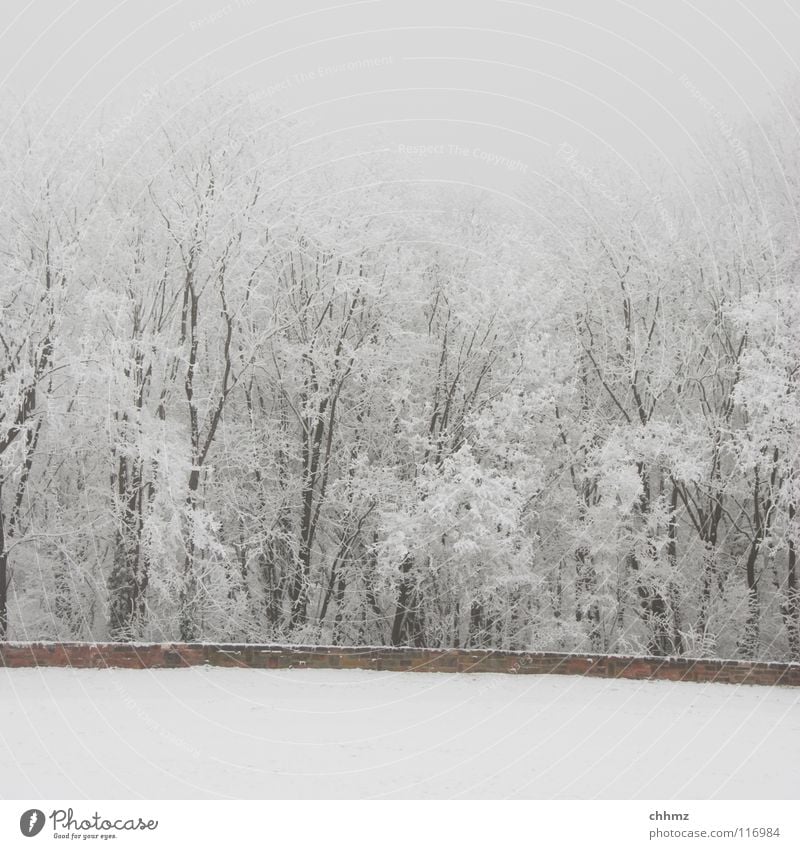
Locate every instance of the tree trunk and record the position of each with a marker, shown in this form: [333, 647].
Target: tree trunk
[791, 610]
[3, 571]
[404, 595]
[128, 581]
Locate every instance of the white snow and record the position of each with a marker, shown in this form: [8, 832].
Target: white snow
[229, 733]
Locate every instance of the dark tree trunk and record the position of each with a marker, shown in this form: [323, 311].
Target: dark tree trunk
[129, 577]
[672, 555]
[791, 610]
[3, 571]
[586, 588]
[404, 596]
[654, 607]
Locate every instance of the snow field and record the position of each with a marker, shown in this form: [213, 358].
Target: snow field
[241, 733]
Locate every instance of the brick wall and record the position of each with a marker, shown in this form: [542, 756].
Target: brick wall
[174, 655]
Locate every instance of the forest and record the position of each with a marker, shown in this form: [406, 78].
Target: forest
[258, 388]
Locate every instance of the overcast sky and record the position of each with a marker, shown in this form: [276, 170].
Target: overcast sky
[495, 86]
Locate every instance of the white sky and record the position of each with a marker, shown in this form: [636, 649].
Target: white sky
[508, 78]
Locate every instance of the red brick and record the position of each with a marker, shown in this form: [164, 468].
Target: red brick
[397, 659]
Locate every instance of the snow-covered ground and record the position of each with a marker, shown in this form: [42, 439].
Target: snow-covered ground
[205, 732]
